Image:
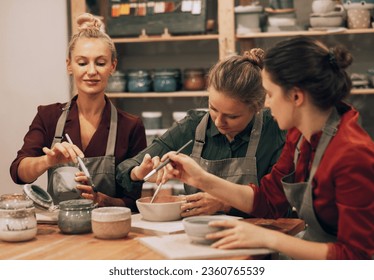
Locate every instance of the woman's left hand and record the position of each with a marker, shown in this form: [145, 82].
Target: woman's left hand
[86, 191]
[201, 203]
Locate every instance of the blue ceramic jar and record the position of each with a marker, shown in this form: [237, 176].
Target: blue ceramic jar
[138, 81]
[165, 81]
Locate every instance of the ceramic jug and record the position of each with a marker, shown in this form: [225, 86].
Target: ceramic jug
[325, 6]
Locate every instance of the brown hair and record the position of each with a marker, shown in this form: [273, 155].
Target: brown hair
[239, 77]
[310, 65]
[91, 27]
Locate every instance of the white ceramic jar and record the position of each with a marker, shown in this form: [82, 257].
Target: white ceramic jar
[17, 220]
[111, 222]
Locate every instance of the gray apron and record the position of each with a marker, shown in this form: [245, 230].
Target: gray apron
[102, 169]
[237, 170]
[300, 195]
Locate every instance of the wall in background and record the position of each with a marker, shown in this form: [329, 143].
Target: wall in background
[34, 36]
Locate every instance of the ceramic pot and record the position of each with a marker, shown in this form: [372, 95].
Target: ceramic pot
[111, 222]
[75, 216]
[17, 220]
[325, 6]
[358, 18]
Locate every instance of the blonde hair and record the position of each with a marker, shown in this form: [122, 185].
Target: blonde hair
[239, 77]
[90, 26]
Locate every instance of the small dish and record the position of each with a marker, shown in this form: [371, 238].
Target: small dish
[111, 222]
[162, 209]
[197, 227]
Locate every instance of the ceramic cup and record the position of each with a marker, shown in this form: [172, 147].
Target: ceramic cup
[358, 18]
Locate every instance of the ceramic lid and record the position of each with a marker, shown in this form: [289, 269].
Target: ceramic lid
[39, 196]
[111, 214]
[156, 114]
[15, 204]
[76, 204]
[248, 9]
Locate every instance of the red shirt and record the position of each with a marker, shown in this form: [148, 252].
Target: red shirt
[130, 139]
[343, 192]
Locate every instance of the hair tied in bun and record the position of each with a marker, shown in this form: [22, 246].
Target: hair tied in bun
[88, 21]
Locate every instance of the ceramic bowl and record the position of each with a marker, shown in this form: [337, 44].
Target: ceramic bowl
[197, 227]
[326, 21]
[163, 208]
[281, 21]
[111, 222]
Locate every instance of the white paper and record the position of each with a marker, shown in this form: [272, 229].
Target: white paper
[179, 247]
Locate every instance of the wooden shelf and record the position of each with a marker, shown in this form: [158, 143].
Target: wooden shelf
[363, 91]
[158, 94]
[194, 94]
[151, 39]
[338, 31]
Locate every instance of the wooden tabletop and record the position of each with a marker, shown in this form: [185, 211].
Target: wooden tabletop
[51, 244]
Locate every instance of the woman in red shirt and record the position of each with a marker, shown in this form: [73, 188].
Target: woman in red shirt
[325, 171]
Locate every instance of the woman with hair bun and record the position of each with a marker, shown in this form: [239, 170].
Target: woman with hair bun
[325, 170]
[102, 135]
[237, 139]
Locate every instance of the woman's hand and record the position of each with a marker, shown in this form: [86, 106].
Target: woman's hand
[147, 165]
[202, 203]
[240, 234]
[86, 191]
[183, 168]
[62, 153]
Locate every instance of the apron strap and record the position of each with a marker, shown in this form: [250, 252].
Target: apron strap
[328, 132]
[200, 136]
[297, 151]
[255, 134]
[112, 131]
[61, 124]
[253, 140]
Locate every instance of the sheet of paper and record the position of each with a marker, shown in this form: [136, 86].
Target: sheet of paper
[138, 224]
[179, 246]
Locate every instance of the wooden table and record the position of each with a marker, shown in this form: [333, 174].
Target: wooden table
[51, 244]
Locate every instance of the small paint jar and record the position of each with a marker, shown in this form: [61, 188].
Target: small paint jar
[165, 81]
[74, 216]
[152, 120]
[17, 220]
[194, 79]
[111, 222]
[116, 82]
[138, 81]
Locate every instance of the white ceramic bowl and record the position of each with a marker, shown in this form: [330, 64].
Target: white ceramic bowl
[281, 21]
[197, 227]
[111, 222]
[163, 208]
[326, 21]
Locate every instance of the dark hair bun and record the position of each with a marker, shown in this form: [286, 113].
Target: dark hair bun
[343, 56]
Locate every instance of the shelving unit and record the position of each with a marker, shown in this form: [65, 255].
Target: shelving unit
[338, 31]
[248, 41]
[226, 38]
[151, 39]
[158, 94]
